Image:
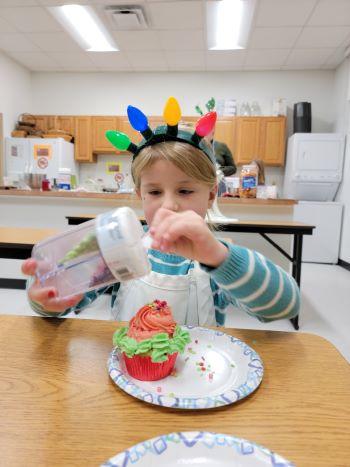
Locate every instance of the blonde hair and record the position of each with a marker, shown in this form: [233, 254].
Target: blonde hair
[190, 160]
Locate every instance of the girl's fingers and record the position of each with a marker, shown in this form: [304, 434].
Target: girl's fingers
[59, 305]
[29, 267]
[158, 218]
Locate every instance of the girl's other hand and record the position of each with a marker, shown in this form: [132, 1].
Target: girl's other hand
[186, 234]
[46, 296]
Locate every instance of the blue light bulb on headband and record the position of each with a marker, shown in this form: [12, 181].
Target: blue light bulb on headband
[137, 119]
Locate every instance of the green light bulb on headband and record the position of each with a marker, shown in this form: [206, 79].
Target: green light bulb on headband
[119, 140]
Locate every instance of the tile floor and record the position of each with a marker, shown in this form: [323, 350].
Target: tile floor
[325, 307]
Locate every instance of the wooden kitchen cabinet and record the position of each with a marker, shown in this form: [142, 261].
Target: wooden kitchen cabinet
[272, 140]
[66, 123]
[246, 140]
[260, 138]
[45, 122]
[83, 140]
[225, 132]
[100, 124]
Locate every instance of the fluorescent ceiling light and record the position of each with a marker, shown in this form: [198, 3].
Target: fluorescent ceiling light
[85, 27]
[228, 23]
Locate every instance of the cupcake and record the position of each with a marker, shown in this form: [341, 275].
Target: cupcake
[151, 342]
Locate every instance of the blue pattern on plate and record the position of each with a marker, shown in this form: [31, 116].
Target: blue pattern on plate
[157, 446]
[254, 377]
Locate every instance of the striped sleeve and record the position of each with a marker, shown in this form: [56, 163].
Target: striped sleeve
[255, 284]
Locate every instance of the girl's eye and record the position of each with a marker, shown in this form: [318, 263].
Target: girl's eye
[154, 192]
[185, 192]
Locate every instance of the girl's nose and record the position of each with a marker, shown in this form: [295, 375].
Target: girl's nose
[170, 203]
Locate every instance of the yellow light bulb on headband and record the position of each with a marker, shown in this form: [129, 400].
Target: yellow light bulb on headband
[172, 112]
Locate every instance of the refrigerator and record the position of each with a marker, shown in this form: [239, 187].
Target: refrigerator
[314, 170]
[323, 245]
[39, 155]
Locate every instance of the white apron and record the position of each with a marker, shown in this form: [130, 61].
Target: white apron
[189, 296]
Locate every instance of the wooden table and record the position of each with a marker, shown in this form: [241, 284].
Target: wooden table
[59, 407]
[297, 229]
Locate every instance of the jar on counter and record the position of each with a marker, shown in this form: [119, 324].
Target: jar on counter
[248, 181]
[111, 248]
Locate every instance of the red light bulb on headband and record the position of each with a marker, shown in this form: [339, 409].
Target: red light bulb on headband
[205, 124]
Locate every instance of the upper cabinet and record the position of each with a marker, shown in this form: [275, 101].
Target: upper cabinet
[66, 123]
[100, 125]
[83, 140]
[260, 138]
[248, 138]
[272, 140]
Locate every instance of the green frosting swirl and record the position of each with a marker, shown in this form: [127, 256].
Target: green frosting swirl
[87, 244]
[158, 347]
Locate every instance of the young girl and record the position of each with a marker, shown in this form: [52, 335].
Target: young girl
[198, 275]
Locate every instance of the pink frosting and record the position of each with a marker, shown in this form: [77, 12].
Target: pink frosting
[152, 319]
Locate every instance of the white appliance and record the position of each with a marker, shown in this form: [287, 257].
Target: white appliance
[323, 245]
[314, 166]
[39, 155]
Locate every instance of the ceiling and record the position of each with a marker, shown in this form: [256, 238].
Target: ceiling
[286, 35]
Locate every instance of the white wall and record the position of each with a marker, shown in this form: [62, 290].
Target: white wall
[15, 92]
[342, 125]
[111, 93]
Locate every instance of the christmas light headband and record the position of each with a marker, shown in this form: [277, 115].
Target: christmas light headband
[168, 132]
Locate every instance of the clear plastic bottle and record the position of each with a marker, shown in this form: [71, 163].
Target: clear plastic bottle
[111, 248]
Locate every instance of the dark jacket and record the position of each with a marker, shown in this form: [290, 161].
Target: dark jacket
[224, 158]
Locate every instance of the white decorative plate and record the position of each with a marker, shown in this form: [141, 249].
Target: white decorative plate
[216, 369]
[197, 448]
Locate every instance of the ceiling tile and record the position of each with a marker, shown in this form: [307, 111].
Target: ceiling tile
[10, 42]
[182, 40]
[13, 3]
[335, 59]
[331, 13]
[319, 37]
[73, 60]
[30, 19]
[64, 2]
[284, 12]
[136, 40]
[177, 15]
[266, 58]
[5, 26]
[185, 60]
[225, 60]
[53, 41]
[308, 58]
[35, 60]
[270, 38]
[147, 60]
[110, 60]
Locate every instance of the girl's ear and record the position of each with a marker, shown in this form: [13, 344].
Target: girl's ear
[212, 195]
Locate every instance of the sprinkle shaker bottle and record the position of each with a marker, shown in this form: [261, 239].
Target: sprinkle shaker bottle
[111, 248]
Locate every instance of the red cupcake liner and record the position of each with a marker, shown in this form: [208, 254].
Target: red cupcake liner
[143, 369]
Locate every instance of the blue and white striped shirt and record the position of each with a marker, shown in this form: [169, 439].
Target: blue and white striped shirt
[246, 279]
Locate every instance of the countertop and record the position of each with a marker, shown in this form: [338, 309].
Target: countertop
[134, 198]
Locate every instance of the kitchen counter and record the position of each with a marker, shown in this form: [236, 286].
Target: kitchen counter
[134, 199]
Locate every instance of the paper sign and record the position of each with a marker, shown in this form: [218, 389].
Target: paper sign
[42, 150]
[113, 167]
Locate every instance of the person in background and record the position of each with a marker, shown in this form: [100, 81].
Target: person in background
[223, 155]
[200, 276]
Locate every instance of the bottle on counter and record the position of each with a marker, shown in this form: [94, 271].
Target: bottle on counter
[64, 179]
[111, 248]
[248, 181]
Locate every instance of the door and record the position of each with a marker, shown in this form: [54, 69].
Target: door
[225, 132]
[100, 125]
[246, 141]
[83, 140]
[272, 140]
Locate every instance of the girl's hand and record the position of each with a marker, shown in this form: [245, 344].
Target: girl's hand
[186, 234]
[46, 296]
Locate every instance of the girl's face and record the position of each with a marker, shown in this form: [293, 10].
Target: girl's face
[163, 185]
